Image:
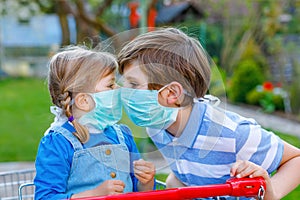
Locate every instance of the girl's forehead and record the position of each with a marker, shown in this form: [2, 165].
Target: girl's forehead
[102, 84]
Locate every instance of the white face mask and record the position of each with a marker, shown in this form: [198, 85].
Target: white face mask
[143, 108]
[107, 111]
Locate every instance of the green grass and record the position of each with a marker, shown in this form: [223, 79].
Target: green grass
[25, 115]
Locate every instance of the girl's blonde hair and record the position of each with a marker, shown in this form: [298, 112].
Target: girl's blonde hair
[73, 70]
[167, 55]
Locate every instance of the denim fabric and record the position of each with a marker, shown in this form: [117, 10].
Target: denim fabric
[92, 166]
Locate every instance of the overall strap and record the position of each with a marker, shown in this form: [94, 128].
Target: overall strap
[120, 135]
[66, 130]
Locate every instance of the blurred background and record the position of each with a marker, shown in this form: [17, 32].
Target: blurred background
[254, 45]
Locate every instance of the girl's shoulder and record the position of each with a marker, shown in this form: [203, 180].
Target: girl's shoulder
[125, 129]
[54, 137]
[55, 144]
[59, 137]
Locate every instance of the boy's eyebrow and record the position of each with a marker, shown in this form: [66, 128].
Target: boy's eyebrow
[131, 78]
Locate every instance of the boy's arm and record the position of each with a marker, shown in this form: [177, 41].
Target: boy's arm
[173, 182]
[287, 176]
[52, 167]
[284, 180]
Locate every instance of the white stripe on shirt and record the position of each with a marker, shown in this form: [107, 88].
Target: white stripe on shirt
[215, 143]
[251, 145]
[219, 117]
[271, 154]
[203, 170]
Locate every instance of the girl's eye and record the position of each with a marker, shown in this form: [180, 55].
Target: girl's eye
[133, 85]
[112, 86]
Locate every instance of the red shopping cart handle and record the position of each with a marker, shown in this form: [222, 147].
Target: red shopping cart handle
[248, 187]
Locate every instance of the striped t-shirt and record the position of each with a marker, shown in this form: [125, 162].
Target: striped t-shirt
[212, 141]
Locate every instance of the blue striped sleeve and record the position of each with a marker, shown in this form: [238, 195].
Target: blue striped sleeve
[259, 146]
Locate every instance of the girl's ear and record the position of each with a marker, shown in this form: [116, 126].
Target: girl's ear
[84, 102]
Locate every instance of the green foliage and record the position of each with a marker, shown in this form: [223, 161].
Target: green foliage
[295, 97]
[266, 99]
[253, 51]
[267, 103]
[213, 40]
[218, 78]
[246, 76]
[278, 102]
[254, 96]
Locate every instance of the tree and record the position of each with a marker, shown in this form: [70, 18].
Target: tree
[89, 24]
[241, 22]
[89, 15]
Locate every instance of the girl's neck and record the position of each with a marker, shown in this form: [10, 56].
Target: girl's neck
[178, 126]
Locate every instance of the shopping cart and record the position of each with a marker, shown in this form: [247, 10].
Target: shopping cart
[16, 185]
[248, 187]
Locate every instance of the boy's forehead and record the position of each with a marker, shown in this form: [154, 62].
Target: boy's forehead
[134, 71]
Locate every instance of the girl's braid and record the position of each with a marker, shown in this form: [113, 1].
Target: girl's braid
[65, 102]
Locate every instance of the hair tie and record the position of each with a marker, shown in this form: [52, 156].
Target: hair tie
[70, 119]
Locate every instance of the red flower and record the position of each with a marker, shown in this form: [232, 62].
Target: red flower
[268, 86]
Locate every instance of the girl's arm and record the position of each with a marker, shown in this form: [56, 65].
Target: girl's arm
[108, 187]
[53, 163]
[145, 172]
[142, 172]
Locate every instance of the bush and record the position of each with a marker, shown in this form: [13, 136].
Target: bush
[268, 100]
[246, 76]
[254, 96]
[278, 102]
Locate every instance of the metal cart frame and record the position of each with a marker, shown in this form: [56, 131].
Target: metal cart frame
[16, 185]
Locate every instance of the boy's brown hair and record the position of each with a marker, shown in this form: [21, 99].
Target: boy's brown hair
[167, 55]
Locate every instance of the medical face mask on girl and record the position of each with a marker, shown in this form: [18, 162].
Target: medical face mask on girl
[143, 108]
[107, 111]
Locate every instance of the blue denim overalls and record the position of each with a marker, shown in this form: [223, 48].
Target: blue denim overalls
[92, 166]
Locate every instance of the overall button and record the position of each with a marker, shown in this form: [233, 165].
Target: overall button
[113, 174]
[107, 151]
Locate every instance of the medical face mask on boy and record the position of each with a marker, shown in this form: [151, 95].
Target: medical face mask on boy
[143, 108]
[107, 111]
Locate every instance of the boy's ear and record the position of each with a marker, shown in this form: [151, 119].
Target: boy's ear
[175, 94]
[84, 102]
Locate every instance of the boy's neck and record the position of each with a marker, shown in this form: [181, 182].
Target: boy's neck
[178, 126]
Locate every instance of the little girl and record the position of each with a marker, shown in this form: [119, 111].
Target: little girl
[84, 152]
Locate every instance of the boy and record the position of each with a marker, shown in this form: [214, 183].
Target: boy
[166, 73]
